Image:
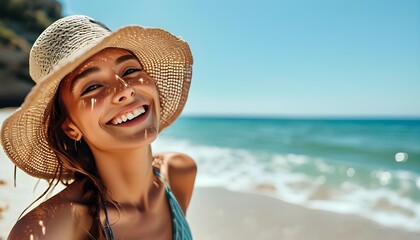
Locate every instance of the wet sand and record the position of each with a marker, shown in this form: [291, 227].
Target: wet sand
[216, 214]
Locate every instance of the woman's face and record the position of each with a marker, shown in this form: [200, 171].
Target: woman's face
[111, 101]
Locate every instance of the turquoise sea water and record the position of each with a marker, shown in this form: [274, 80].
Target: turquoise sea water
[366, 167]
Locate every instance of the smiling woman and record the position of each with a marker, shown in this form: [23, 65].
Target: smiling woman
[100, 100]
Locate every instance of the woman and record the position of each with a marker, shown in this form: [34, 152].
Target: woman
[101, 98]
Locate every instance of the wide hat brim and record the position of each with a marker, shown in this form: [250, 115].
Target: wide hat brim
[166, 58]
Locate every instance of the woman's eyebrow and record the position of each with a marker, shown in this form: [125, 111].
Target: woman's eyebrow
[124, 58]
[91, 70]
[83, 74]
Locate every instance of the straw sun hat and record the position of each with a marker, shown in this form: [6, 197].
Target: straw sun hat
[62, 47]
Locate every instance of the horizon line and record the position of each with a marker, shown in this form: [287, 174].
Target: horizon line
[303, 116]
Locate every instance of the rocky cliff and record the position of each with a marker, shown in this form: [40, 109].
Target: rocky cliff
[21, 22]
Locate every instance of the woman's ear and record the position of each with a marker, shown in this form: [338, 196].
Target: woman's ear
[71, 130]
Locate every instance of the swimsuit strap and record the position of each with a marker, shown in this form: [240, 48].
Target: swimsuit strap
[109, 235]
[180, 227]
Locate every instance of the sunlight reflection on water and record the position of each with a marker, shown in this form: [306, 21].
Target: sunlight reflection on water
[401, 157]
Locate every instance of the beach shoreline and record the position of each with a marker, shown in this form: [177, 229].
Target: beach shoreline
[216, 213]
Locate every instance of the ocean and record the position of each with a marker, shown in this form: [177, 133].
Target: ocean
[367, 167]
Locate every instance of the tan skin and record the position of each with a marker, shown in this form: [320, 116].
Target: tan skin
[112, 84]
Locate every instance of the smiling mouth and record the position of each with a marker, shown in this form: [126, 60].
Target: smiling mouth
[129, 116]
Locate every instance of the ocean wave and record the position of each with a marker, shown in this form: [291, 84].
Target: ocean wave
[388, 197]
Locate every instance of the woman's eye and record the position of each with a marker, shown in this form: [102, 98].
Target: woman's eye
[90, 88]
[131, 70]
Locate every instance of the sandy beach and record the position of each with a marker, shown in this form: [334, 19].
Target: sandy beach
[219, 214]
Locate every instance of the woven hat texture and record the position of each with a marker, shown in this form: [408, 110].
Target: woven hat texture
[62, 47]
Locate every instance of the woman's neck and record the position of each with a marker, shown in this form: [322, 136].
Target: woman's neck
[127, 175]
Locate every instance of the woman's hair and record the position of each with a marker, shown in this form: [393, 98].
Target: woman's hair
[76, 158]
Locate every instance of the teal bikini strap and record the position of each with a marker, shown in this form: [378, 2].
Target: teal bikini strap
[157, 173]
[109, 235]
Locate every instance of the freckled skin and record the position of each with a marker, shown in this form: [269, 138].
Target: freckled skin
[122, 155]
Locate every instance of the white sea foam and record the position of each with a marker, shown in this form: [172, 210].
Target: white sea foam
[279, 176]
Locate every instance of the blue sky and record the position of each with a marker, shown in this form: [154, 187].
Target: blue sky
[287, 57]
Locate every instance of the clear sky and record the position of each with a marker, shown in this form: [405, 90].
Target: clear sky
[287, 57]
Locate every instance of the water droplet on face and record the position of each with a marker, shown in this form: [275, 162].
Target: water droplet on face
[145, 133]
[120, 80]
[92, 103]
[401, 157]
[41, 223]
[73, 211]
[141, 80]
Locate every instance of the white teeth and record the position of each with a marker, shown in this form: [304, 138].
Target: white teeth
[128, 116]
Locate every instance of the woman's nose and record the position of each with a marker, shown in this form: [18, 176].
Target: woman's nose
[122, 90]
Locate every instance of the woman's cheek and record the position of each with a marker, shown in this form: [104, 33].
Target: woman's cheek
[89, 103]
[142, 81]
[97, 99]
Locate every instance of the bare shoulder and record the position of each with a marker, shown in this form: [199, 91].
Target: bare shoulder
[53, 219]
[180, 170]
[178, 162]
